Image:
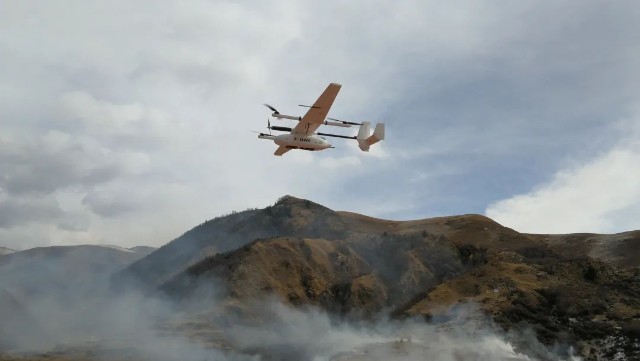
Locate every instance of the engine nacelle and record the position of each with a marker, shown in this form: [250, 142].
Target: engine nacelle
[282, 116]
[280, 129]
[337, 124]
[266, 136]
[326, 122]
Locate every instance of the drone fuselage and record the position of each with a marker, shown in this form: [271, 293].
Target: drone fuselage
[295, 141]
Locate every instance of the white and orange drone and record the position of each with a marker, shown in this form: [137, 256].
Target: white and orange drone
[304, 136]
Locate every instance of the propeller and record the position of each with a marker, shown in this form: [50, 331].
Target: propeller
[272, 108]
[268, 127]
[344, 121]
[308, 106]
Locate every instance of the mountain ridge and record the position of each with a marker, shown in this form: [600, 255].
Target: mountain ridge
[581, 290]
[288, 217]
[61, 269]
[352, 264]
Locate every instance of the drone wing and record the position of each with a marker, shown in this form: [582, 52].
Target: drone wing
[318, 112]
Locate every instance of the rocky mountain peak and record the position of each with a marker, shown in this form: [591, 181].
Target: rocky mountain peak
[288, 199]
[292, 202]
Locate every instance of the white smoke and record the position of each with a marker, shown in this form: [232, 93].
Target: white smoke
[149, 328]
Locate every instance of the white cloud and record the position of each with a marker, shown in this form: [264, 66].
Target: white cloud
[44, 163]
[131, 125]
[134, 116]
[599, 195]
[20, 210]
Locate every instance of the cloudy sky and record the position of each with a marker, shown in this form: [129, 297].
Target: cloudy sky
[129, 122]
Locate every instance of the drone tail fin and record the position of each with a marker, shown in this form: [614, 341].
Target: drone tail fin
[365, 140]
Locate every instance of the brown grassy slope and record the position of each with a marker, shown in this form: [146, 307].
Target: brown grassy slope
[564, 300]
[289, 216]
[294, 217]
[622, 249]
[338, 275]
[396, 261]
[300, 271]
[470, 229]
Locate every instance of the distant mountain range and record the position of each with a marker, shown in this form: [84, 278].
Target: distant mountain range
[62, 268]
[61, 273]
[5, 250]
[575, 289]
